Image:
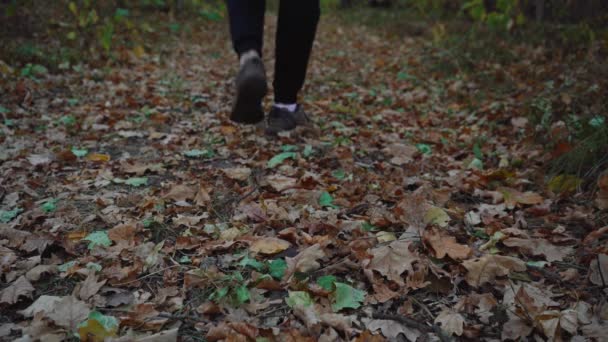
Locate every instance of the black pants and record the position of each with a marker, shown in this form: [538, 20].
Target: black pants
[295, 35]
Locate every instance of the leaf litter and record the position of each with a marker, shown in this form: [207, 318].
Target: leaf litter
[388, 220]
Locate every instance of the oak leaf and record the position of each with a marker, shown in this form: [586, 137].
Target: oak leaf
[488, 267]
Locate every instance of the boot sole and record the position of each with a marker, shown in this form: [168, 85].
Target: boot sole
[249, 95]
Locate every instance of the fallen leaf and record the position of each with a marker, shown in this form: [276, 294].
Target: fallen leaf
[69, 312]
[36, 273]
[269, 246]
[280, 183]
[44, 303]
[19, 288]
[444, 244]
[238, 173]
[90, 286]
[98, 327]
[345, 296]
[451, 322]
[97, 157]
[392, 260]
[488, 267]
[436, 216]
[305, 261]
[539, 247]
[391, 329]
[181, 192]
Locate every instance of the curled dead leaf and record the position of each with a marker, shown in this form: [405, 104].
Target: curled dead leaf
[269, 245]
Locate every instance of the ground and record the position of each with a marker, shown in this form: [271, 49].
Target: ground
[417, 206]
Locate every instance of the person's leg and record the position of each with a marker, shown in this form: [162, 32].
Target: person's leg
[296, 30]
[247, 29]
[246, 25]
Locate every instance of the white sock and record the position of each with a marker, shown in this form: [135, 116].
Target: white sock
[248, 55]
[289, 106]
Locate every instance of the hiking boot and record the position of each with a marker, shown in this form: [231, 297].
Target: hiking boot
[280, 120]
[250, 90]
[301, 117]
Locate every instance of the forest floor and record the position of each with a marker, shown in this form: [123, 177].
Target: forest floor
[418, 206]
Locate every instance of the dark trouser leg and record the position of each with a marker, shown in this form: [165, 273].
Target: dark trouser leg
[295, 35]
[247, 24]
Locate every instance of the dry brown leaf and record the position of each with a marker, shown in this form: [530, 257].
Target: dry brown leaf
[367, 336]
[122, 232]
[238, 173]
[90, 286]
[280, 182]
[181, 192]
[444, 244]
[43, 303]
[392, 260]
[486, 268]
[539, 247]
[401, 154]
[69, 312]
[269, 246]
[450, 321]
[391, 329]
[513, 197]
[36, 273]
[515, 329]
[19, 288]
[305, 261]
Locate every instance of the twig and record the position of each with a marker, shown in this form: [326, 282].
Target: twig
[146, 276]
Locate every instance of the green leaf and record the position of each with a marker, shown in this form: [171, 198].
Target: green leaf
[94, 266]
[289, 148]
[346, 296]
[277, 268]
[8, 215]
[339, 174]
[424, 149]
[437, 216]
[68, 120]
[136, 181]
[477, 151]
[98, 238]
[280, 158]
[476, 163]
[308, 151]
[299, 298]
[185, 260]
[368, 227]
[175, 27]
[66, 266]
[253, 263]
[3, 110]
[242, 294]
[325, 200]
[564, 183]
[80, 152]
[121, 13]
[98, 327]
[327, 282]
[597, 121]
[219, 294]
[195, 153]
[49, 206]
[72, 7]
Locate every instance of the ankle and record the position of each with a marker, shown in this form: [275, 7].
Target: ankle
[247, 56]
[292, 107]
